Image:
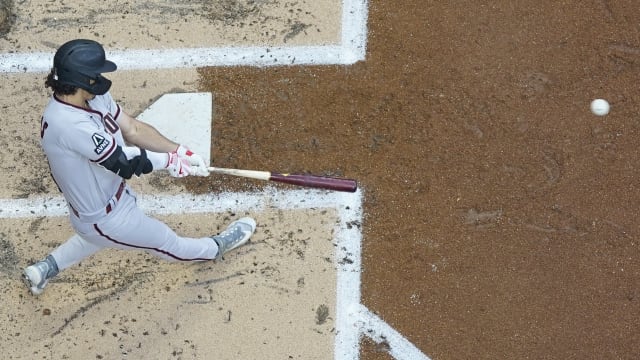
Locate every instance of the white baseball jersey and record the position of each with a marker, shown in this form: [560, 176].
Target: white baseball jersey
[75, 141]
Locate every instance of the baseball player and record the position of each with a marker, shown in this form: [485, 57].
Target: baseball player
[92, 147]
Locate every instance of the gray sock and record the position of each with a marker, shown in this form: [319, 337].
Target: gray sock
[53, 266]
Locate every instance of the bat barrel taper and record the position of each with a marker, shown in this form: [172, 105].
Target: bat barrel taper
[313, 181]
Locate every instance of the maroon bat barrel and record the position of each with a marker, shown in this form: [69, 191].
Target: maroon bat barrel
[314, 181]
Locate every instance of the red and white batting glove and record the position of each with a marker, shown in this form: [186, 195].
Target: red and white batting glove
[177, 166]
[197, 167]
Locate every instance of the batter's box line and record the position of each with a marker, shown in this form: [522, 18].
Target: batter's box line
[352, 48]
[353, 320]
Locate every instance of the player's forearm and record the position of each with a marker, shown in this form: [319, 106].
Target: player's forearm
[147, 137]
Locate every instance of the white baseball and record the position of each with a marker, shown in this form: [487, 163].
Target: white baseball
[600, 107]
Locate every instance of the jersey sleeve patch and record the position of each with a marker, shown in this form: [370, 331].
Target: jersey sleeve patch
[101, 143]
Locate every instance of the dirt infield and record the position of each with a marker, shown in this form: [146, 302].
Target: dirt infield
[499, 213]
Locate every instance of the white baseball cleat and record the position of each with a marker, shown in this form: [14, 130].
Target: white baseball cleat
[236, 234]
[37, 275]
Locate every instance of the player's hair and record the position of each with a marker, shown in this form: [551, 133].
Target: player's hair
[59, 89]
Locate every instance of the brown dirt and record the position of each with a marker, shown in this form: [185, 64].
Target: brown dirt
[500, 213]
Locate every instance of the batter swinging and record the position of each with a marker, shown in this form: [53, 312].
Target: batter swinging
[92, 147]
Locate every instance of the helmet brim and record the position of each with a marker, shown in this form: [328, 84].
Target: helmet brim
[109, 66]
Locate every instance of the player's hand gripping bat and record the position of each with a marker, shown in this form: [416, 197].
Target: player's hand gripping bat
[313, 181]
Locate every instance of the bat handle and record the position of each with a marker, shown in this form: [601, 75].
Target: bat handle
[260, 175]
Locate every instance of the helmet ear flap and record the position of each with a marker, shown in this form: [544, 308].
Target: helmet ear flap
[100, 85]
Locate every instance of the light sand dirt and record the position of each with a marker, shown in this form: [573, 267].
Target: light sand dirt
[42, 25]
[258, 303]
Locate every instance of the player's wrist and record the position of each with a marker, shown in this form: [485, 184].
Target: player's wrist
[158, 160]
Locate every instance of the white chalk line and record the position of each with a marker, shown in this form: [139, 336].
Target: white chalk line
[141, 59]
[380, 332]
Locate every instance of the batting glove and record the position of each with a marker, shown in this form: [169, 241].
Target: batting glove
[197, 166]
[178, 166]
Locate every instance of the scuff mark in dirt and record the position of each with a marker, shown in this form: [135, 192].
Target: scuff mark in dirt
[6, 16]
[8, 258]
[133, 281]
[295, 29]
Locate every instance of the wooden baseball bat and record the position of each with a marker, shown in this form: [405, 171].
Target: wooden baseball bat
[313, 181]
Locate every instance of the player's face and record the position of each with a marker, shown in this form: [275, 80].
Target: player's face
[86, 95]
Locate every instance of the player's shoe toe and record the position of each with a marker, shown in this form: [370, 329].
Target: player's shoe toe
[35, 277]
[236, 234]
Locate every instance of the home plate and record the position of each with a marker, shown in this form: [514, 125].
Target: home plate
[184, 118]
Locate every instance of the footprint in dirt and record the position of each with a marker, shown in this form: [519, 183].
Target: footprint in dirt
[535, 84]
[8, 258]
[482, 218]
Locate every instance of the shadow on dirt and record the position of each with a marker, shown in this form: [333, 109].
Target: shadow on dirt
[6, 16]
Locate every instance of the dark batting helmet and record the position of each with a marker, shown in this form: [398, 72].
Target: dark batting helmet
[80, 63]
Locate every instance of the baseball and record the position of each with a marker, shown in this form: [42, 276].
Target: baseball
[600, 107]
